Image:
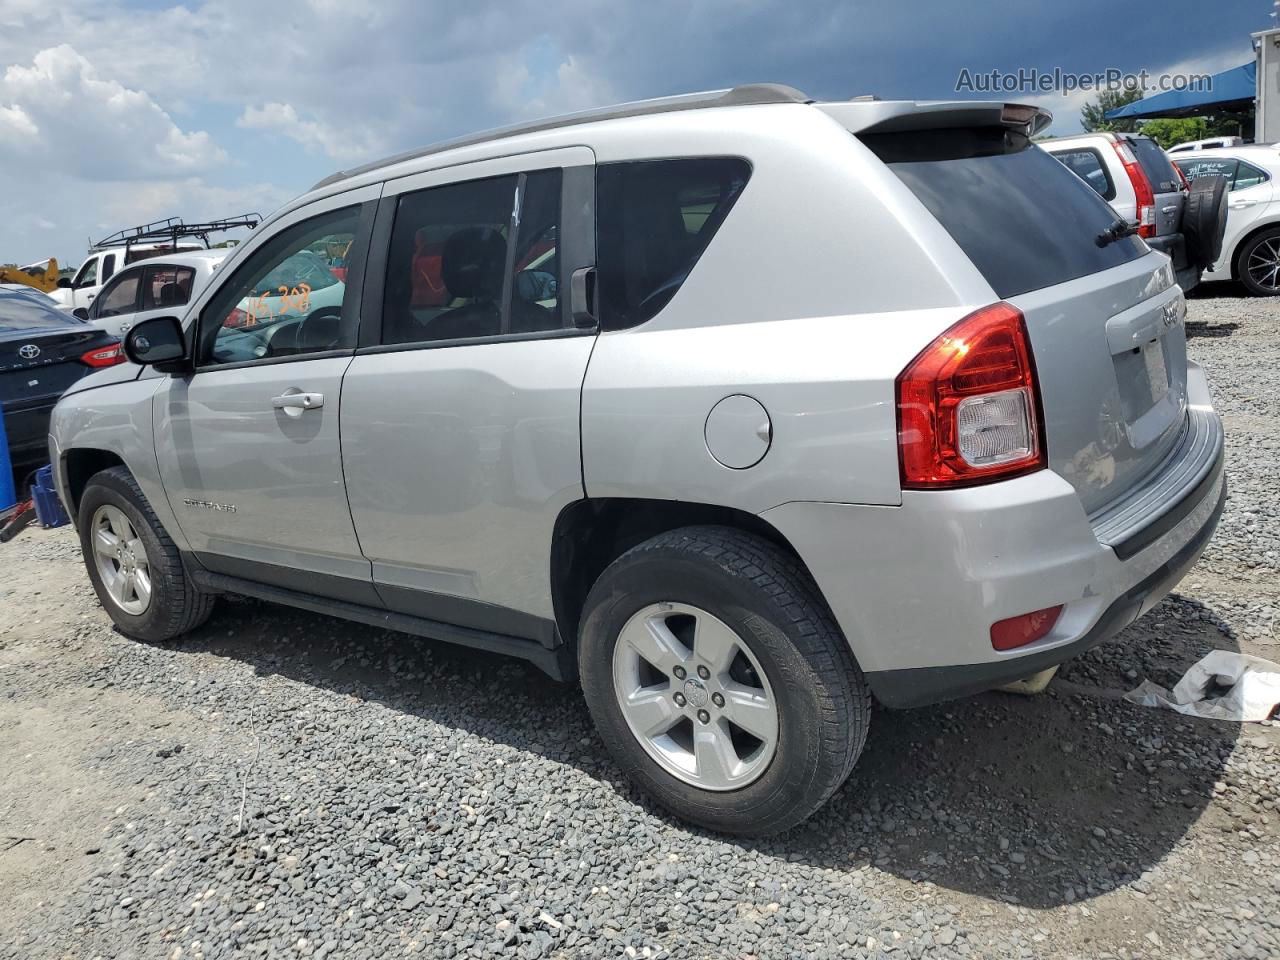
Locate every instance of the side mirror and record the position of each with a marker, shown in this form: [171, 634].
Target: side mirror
[64, 283]
[81, 313]
[535, 285]
[158, 342]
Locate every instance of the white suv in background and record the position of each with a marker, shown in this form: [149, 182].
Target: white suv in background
[1136, 176]
[1251, 244]
[99, 267]
[151, 288]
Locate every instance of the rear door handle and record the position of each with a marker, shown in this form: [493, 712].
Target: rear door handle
[1171, 208]
[298, 401]
[1241, 204]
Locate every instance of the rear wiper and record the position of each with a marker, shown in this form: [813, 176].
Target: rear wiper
[1121, 228]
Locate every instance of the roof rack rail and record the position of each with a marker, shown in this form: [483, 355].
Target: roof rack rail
[750, 93]
[173, 229]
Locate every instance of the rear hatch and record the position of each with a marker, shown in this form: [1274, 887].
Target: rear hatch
[1165, 183]
[1105, 319]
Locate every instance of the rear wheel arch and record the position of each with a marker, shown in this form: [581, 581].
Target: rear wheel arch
[590, 534]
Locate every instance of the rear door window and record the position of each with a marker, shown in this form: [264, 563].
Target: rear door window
[1208, 167]
[1024, 220]
[475, 260]
[654, 220]
[166, 286]
[1088, 166]
[1247, 175]
[1156, 165]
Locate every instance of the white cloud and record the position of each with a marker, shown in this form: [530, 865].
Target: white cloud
[16, 128]
[59, 112]
[340, 144]
[193, 197]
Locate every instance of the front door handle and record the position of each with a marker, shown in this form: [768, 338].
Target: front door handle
[298, 401]
[1241, 204]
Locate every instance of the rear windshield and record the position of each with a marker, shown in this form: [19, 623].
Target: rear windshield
[1023, 218]
[19, 312]
[1156, 165]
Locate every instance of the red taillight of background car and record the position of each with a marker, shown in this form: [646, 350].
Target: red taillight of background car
[236, 318]
[969, 405]
[103, 356]
[1141, 188]
[1186, 184]
[1022, 630]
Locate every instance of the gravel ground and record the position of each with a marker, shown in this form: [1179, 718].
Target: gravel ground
[279, 784]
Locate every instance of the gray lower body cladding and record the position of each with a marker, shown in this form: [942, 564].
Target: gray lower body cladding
[921, 686]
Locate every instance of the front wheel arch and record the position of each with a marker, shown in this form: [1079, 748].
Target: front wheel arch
[79, 464]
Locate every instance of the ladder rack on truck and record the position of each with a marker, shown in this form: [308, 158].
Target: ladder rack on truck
[173, 229]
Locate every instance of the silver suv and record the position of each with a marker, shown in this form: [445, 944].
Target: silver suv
[741, 409]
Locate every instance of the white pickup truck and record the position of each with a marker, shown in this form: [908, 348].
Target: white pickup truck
[132, 244]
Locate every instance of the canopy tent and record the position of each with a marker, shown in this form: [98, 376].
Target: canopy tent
[1231, 90]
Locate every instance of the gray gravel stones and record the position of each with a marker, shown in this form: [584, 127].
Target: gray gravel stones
[407, 799]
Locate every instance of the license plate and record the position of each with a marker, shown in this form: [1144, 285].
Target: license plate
[1157, 372]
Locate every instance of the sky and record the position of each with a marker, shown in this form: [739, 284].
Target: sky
[118, 112]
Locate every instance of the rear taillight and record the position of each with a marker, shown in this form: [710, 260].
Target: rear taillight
[1146, 197]
[1022, 630]
[968, 405]
[103, 356]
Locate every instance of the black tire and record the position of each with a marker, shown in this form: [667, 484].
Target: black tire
[176, 606]
[1204, 220]
[1260, 282]
[764, 594]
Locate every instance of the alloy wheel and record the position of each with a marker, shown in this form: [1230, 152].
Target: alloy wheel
[121, 560]
[1264, 264]
[695, 696]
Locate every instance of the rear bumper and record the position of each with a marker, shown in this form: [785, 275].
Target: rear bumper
[1174, 246]
[924, 685]
[26, 425]
[916, 588]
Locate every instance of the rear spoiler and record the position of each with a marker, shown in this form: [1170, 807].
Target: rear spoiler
[901, 116]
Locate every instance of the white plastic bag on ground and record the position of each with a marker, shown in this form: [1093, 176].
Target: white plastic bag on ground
[1254, 689]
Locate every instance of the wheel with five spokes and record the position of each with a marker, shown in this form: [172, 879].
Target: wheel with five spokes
[134, 566]
[719, 680]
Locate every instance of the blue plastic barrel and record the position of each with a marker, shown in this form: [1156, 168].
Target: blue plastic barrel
[8, 495]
